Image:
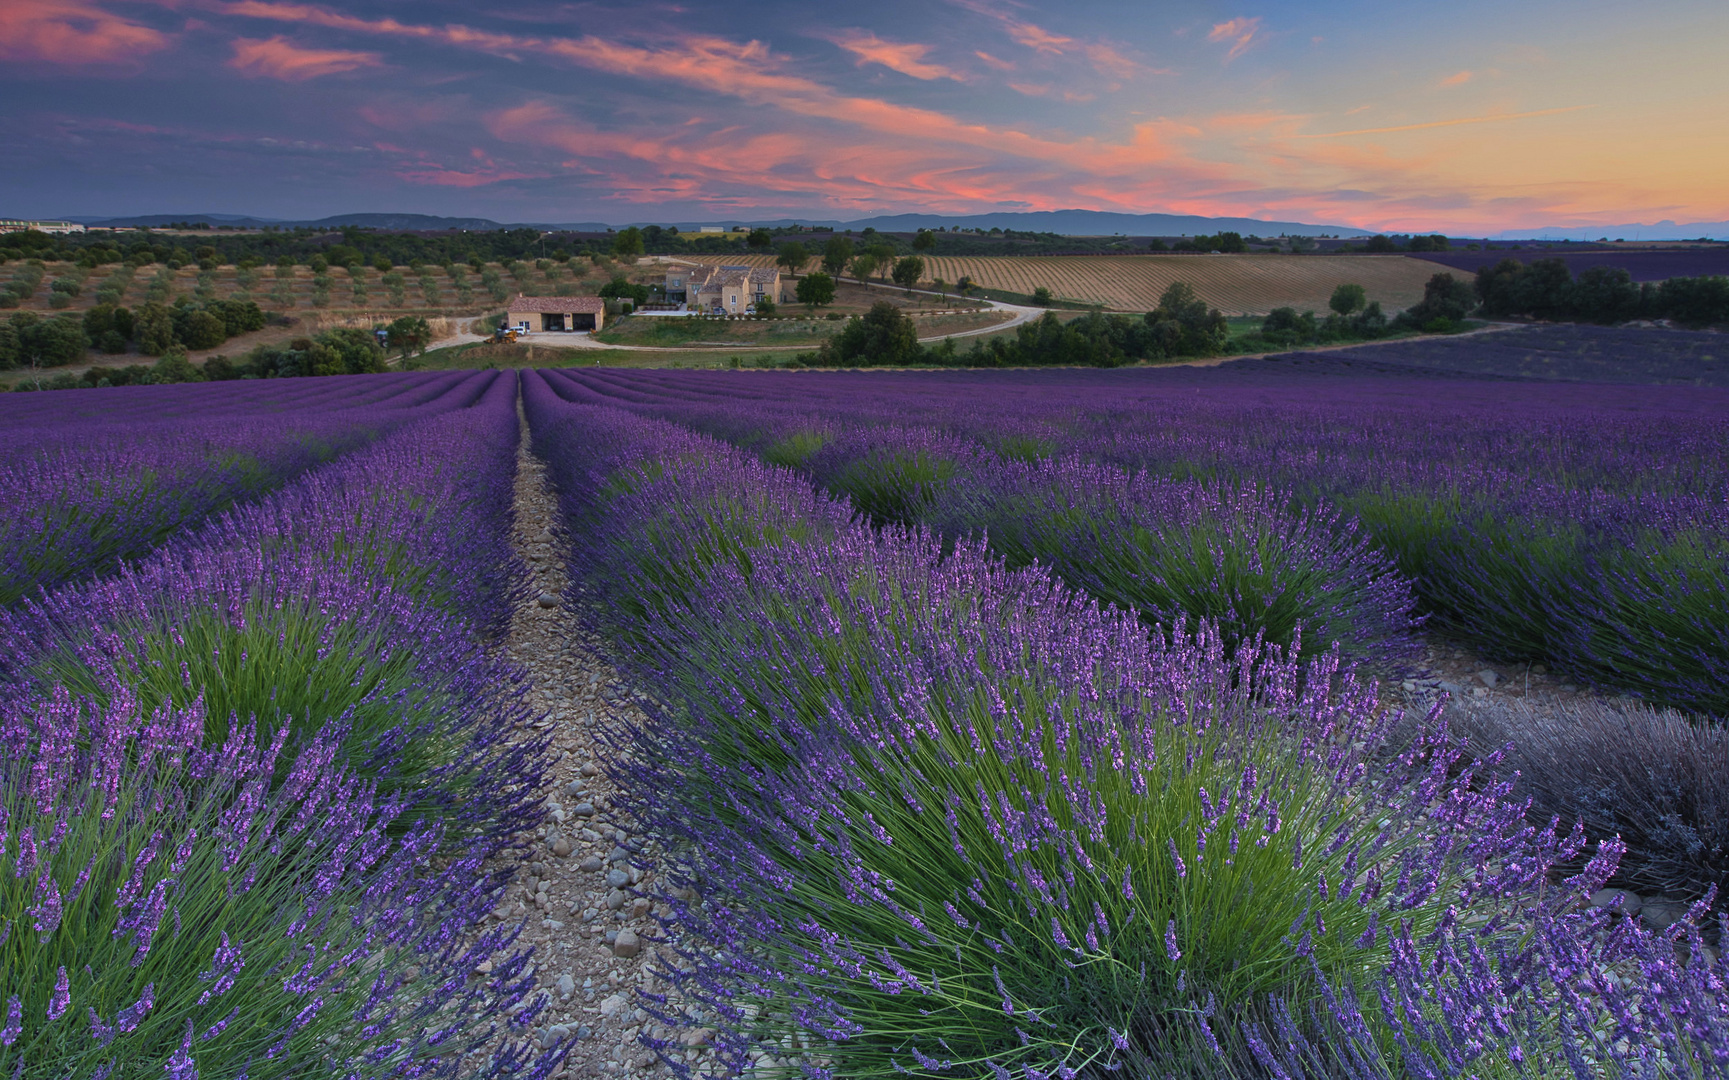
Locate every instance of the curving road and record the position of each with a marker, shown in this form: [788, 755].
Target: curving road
[582, 340]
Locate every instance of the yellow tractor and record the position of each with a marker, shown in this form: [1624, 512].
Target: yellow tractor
[503, 334]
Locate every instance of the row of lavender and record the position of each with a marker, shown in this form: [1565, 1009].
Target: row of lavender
[250, 784]
[85, 485]
[1583, 527]
[954, 819]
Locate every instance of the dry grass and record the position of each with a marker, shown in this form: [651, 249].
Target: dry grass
[1236, 284]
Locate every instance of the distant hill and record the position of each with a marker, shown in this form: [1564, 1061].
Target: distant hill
[1101, 223]
[1662, 230]
[385, 222]
[1061, 222]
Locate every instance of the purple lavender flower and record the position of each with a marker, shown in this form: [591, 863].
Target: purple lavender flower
[61, 999]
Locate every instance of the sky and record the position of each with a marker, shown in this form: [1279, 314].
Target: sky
[1469, 117]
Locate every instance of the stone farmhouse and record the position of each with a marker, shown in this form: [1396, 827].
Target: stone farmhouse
[554, 313]
[728, 289]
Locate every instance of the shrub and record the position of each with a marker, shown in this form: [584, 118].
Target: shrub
[1655, 779]
[1245, 558]
[1029, 849]
[174, 918]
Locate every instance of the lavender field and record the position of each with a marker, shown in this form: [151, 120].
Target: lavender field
[1559, 353]
[1008, 724]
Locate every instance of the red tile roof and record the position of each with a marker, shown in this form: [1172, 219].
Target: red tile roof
[557, 305]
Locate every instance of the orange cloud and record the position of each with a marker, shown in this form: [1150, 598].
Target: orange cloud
[1240, 32]
[1000, 65]
[1460, 79]
[278, 58]
[72, 33]
[907, 58]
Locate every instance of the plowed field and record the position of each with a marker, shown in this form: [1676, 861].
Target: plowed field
[1236, 284]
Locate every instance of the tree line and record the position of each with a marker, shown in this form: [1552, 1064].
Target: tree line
[339, 351]
[1547, 289]
[31, 340]
[1181, 326]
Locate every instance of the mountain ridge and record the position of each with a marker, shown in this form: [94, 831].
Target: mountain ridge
[1061, 222]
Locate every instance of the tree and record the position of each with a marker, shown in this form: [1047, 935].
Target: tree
[907, 271]
[359, 348]
[885, 335]
[1348, 298]
[863, 267]
[884, 254]
[1042, 296]
[628, 244]
[836, 254]
[201, 330]
[1380, 245]
[792, 256]
[48, 342]
[766, 307]
[110, 327]
[759, 239]
[174, 367]
[1497, 287]
[409, 335]
[155, 328]
[816, 289]
[1183, 325]
[622, 288]
[1600, 294]
[924, 240]
[1446, 302]
[380, 263]
[1227, 243]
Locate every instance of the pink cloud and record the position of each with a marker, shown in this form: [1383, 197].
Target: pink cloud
[1240, 32]
[279, 58]
[908, 58]
[1000, 65]
[1036, 38]
[1460, 79]
[71, 33]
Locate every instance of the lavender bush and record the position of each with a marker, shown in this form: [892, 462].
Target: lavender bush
[253, 781]
[167, 906]
[962, 820]
[334, 601]
[1580, 525]
[83, 488]
[1247, 559]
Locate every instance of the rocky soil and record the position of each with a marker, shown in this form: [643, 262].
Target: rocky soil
[585, 888]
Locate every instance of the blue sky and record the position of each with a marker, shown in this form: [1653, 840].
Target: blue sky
[1468, 116]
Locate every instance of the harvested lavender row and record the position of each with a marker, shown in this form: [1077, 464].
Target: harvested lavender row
[1586, 527]
[956, 820]
[79, 495]
[254, 780]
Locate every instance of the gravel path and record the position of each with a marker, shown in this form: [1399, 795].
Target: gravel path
[584, 891]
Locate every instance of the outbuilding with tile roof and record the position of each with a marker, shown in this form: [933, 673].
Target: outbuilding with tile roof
[556, 313]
